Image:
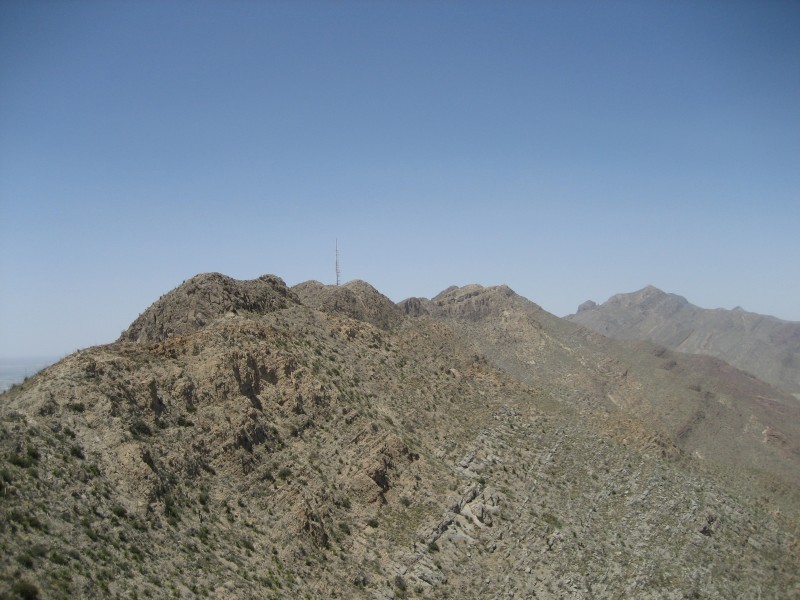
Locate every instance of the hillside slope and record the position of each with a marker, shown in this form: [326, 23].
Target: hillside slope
[283, 448]
[702, 404]
[767, 347]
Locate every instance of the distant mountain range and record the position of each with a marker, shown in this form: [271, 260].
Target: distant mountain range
[765, 346]
[246, 439]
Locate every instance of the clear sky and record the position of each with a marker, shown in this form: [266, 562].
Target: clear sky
[571, 150]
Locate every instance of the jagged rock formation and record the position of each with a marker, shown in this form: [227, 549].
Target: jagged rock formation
[203, 298]
[767, 347]
[318, 442]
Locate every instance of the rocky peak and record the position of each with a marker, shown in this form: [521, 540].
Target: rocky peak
[356, 299]
[762, 345]
[204, 298]
[415, 307]
[648, 299]
[473, 301]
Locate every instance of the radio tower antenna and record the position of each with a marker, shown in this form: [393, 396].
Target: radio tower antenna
[338, 272]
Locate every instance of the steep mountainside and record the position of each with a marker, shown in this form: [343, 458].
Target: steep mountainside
[246, 440]
[767, 347]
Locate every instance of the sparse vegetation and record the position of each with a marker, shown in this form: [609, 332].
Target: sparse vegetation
[438, 428]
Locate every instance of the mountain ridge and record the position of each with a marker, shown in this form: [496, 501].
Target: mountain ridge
[253, 440]
[763, 345]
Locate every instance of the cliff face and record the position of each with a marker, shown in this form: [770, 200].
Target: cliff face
[767, 347]
[247, 440]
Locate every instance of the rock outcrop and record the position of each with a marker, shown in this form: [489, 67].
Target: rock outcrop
[355, 299]
[204, 298]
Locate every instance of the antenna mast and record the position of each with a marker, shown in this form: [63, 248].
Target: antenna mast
[338, 272]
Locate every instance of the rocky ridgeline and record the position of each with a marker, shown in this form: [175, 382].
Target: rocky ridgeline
[243, 439]
[767, 347]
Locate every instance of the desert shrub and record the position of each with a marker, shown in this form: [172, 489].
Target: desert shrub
[372, 522]
[140, 428]
[21, 460]
[552, 520]
[25, 590]
[248, 544]
[170, 506]
[204, 533]
[136, 553]
[25, 559]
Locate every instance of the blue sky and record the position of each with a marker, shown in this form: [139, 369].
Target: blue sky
[571, 150]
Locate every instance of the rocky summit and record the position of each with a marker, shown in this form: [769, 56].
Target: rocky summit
[767, 347]
[245, 439]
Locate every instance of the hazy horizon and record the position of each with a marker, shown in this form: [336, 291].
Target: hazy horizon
[15, 370]
[569, 150]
